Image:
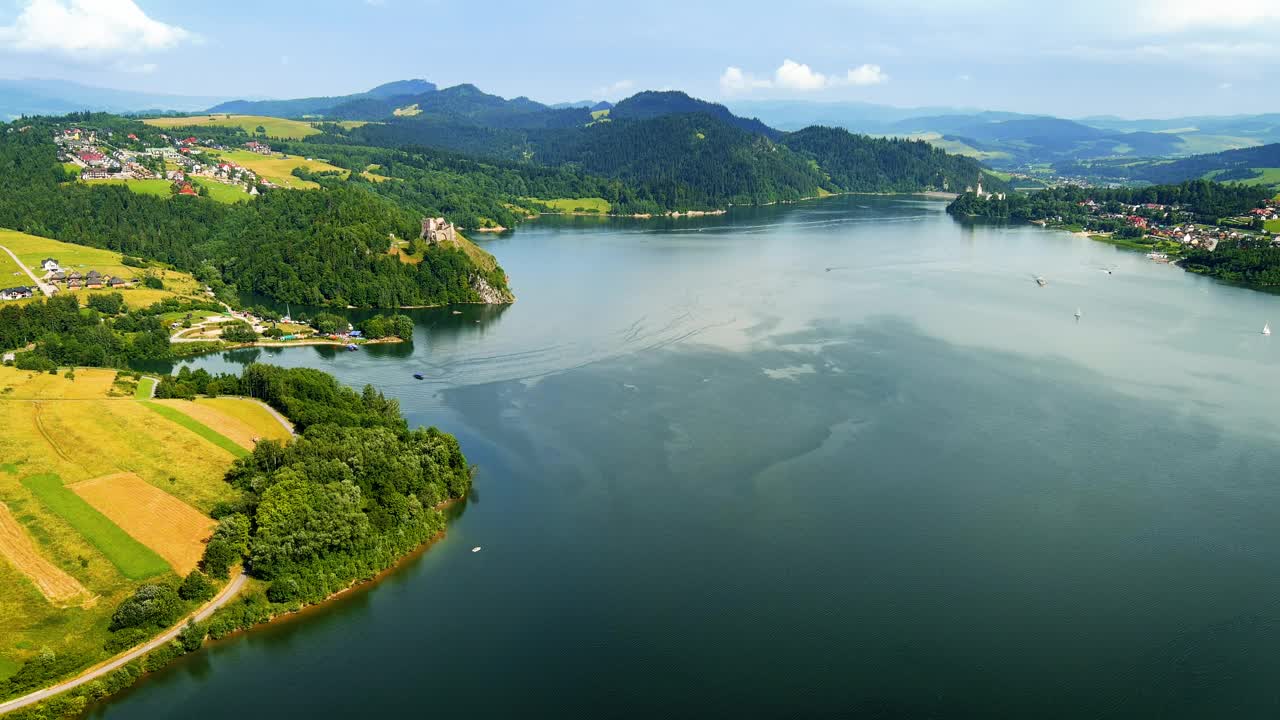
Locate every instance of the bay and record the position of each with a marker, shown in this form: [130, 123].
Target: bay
[843, 459]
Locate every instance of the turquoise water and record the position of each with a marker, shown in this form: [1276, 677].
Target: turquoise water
[840, 459]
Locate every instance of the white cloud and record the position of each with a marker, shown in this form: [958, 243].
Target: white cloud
[798, 77]
[88, 29]
[792, 75]
[866, 75]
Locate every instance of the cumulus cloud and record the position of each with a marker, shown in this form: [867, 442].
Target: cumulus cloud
[798, 77]
[88, 28]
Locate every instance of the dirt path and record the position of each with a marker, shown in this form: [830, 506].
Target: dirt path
[46, 289]
[228, 593]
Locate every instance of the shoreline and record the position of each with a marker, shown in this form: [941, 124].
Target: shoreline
[933, 194]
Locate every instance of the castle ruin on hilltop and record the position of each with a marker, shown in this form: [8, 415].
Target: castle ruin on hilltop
[438, 230]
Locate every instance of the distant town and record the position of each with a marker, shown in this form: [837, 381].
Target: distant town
[100, 156]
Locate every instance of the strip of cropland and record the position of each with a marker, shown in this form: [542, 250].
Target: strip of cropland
[198, 428]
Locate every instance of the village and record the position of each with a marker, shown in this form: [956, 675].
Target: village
[99, 156]
[1148, 223]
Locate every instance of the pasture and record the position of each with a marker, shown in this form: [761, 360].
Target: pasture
[274, 127]
[279, 170]
[167, 526]
[99, 489]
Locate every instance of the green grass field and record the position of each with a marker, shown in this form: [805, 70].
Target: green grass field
[223, 193]
[134, 560]
[31, 249]
[198, 428]
[156, 188]
[275, 127]
[143, 391]
[1273, 226]
[568, 205]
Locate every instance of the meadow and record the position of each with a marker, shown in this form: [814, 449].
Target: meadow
[31, 250]
[223, 193]
[569, 205]
[279, 170]
[274, 127]
[155, 188]
[98, 493]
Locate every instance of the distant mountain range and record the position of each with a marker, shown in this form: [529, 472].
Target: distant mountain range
[302, 107]
[1007, 139]
[59, 97]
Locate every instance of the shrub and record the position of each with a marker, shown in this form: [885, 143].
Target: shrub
[195, 587]
[150, 605]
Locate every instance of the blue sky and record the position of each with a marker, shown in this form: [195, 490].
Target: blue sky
[1132, 58]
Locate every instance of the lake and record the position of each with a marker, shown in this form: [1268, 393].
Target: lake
[837, 459]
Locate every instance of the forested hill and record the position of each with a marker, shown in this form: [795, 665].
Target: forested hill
[857, 163]
[326, 247]
[321, 105]
[687, 161]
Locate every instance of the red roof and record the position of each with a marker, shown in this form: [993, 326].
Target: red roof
[190, 141]
[90, 156]
[187, 190]
[132, 136]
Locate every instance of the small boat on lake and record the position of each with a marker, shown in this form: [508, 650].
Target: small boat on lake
[352, 347]
[1078, 313]
[419, 376]
[1041, 281]
[475, 549]
[1266, 328]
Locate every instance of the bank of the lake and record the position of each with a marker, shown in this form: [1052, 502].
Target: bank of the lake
[805, 461]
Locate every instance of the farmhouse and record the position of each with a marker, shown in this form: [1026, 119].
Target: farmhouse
[15, 293]
[50, 265]
[93, 279]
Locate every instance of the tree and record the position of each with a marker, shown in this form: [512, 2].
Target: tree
[239, 332]
[195, 587]
[155, 605]
[328, 323]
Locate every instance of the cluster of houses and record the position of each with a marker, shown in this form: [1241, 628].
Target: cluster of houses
[76, 280]
[1186, 234]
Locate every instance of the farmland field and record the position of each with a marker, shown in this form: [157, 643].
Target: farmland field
[172, 529]
[102, 492]
[275, 127]
[134, 560]
[31, 249]
[196, 426]
[278, 170]
[240, 420]
[53, 582]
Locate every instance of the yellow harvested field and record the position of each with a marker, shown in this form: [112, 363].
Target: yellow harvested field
[29, 385]
[174, 530]
[243, 421]
[252, 413]
[15, 546]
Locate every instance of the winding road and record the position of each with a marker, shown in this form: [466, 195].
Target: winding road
[228, 593]
[46, 289]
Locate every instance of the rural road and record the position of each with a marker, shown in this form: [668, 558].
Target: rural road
[228, 593]
[46, 289]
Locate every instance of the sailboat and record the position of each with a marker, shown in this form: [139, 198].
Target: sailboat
[1078, 313]
[1266, 328]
